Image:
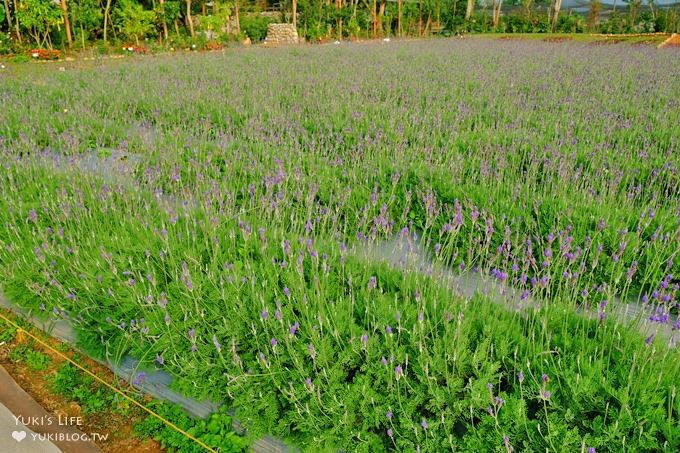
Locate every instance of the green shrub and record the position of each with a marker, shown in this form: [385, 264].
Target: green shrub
[255, 26]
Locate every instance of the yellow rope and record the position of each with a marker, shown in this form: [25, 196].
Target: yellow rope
[167, 422]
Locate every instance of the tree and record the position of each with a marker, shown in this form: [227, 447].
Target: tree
[67, 24]
[38, 18]
[470, 9]
[107, 17]
[238, 22]
[133, 21]
[187, 17]
[555, 14]
[86, 15]
[160, 13]
[295, 13]
[594, 14]
[496, 17]
[7, 15]
[634, 10]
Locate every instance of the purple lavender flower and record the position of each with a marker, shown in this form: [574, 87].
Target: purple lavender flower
[383, 360]
[424, 424]
[398, 371]
[520, 377]
[364, 339]
[390, 433]
[159, 359]
[294, 328]
[216, 343]
[264, 314]
[141, 376]
[389, 415]
[544, 377]
[273, 342]
[388, 330]
[591, 449]
[311, 350]
[286, 292]
[546, 394]
[372, 282]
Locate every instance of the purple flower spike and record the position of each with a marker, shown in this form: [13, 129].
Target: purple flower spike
[264, 314]
[545, 378]
[273, 342]
[383, 360]
[591, 449]
[398, 371]
[141, 376]
[520, 377]
[424, 424]
[390, 433]
[389, 415]
[372, 282]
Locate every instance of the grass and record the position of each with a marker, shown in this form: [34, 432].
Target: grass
[227, 252]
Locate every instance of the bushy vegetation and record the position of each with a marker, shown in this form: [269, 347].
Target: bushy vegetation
[217, 235]
[194, 24]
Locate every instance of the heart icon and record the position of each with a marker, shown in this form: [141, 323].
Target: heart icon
[19, 435]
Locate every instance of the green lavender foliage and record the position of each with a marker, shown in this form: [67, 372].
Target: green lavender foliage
[228, 252]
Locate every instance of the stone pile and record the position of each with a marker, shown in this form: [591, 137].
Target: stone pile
[281, 34]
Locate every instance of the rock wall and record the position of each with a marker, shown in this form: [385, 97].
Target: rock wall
[281, 34]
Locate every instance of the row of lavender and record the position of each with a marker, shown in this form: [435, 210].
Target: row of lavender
[223, 252]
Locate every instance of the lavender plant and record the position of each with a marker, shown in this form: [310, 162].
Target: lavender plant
[217, 234]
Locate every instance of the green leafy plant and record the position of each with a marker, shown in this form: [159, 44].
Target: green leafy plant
[133, 21]
[216, 431]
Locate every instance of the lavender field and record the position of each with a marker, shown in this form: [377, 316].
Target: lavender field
[245, 221]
